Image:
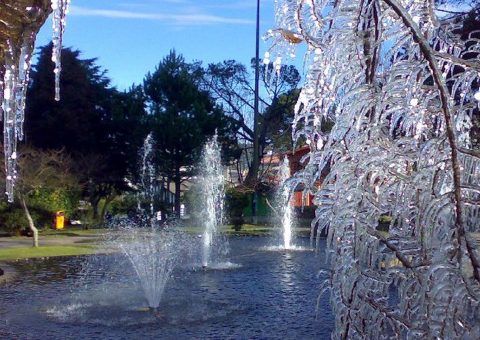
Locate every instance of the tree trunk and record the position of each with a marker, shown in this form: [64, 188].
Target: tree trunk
[95, 205]
[108, 200]
[252, 179]
[178, 182]
[31, 225]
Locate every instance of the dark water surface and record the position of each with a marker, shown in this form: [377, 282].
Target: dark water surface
[271, 295]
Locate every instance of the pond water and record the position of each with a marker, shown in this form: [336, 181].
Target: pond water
[265, 295]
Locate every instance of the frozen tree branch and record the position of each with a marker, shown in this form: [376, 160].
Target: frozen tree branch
[429, 54]
[398, 85]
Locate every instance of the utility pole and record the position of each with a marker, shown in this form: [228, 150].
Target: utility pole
[256, 151]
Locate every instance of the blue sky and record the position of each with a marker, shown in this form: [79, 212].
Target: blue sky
[130, 37]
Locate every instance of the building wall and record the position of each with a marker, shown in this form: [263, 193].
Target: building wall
[297, 199]
[294, 159]
[262, 207]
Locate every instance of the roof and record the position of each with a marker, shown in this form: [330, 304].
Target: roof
[278, 157]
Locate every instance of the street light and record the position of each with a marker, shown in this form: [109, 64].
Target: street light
[256, 151]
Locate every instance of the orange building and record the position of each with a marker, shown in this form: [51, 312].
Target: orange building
[271, 165]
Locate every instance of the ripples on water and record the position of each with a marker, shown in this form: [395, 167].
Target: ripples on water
[266, 294]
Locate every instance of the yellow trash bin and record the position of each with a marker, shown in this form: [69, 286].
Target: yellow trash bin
[59, 219]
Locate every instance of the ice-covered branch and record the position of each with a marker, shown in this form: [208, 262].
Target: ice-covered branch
[429, 55]
[60, 9]
[399, 175]
[20, 21]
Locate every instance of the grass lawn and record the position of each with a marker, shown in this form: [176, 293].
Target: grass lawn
[262, 230]
[45, 251]
[247, 230]
[72, 231]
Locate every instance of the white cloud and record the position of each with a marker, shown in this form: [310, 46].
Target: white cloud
[175, 19]
[241, 4]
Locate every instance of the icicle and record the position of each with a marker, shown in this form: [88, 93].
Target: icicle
[266, 58]
[60, 9]
[277, 64]
[9, 118]
[22, 84]
[14, 85]
[477, 95]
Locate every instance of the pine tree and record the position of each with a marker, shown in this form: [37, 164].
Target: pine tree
[184, 117]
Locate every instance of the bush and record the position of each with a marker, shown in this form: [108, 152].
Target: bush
[236, 201]
[384, 222]
[52, 200]
[42, 204]
[123, 205]
[12, 219]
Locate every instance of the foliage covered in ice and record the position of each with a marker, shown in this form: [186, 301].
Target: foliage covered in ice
[20, 21]
[401, 87]
[60, 9]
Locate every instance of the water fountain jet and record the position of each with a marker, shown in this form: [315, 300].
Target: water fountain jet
[285, 204]
[215, 246]
[151, 248]
[285, 211]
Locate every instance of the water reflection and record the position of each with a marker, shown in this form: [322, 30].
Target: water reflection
[41, 271]
[287, 273]
[272, 295]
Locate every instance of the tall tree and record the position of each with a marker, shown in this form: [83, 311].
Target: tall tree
[230, 84]
[183, 117]
[79, 121]
[280, 114]
[100, 127]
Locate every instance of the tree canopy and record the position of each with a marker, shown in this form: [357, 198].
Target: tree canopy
[230, 84]
[183, 117]
[100, 127]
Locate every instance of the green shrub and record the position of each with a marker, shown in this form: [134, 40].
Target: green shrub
[42, 205]
[385, 219]
[52, 200]
[12, 220]
[123, 205]
[236, 201]
[384, 222]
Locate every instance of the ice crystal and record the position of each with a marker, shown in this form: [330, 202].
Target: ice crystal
[477, 95]
[60, 9]
[17, 51]
[400, 86]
